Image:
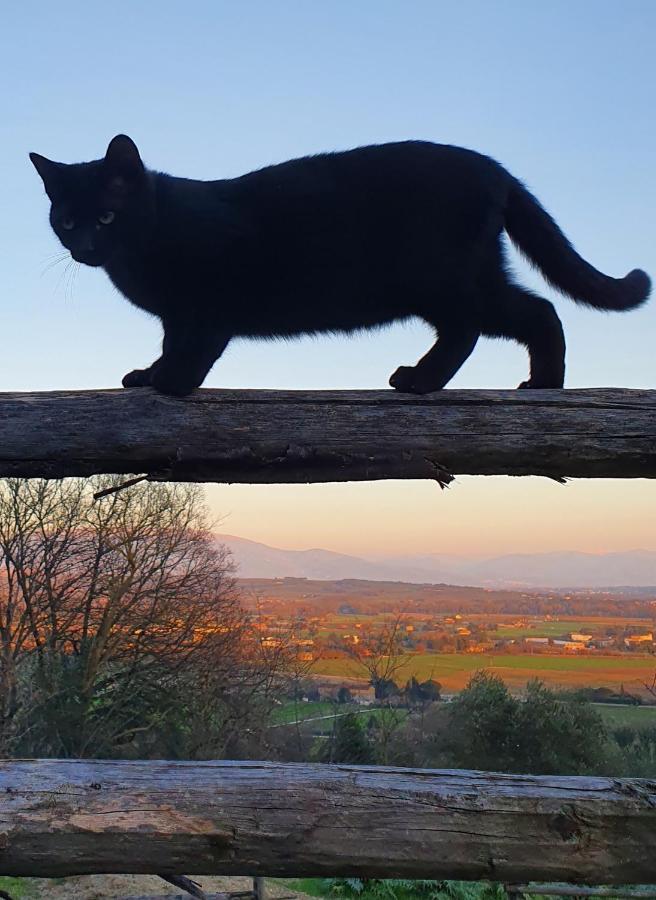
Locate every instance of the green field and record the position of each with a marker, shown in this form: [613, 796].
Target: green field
[540, 628]
[453, 670]
[298, 712]
[634, 716]
[286, 714]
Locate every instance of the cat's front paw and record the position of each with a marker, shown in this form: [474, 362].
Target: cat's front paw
[137, 378]
[411, 380]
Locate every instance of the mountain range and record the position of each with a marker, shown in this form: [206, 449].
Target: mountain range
[572, 569]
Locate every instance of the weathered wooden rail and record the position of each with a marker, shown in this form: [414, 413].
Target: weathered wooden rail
[75, 817]
[299, 436]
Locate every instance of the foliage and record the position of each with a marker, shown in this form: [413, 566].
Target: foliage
[487, 728]
[417, 692]
[349, 743]
[406, 889]
[552, 737]
[603, 695]
[481, 719]
[638, 750]
[385, 688]
[17, 888]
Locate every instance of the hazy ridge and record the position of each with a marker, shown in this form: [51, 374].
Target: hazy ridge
[636, 568]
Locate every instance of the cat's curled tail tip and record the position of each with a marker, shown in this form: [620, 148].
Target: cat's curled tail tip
[635, 289]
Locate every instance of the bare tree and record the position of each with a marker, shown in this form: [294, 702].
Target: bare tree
[379, 651]
[38, 539]
[103, 605]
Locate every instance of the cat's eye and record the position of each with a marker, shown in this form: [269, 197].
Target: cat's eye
[67, 223]
[106, 218]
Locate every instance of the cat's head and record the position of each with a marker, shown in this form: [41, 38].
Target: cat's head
[96, 205]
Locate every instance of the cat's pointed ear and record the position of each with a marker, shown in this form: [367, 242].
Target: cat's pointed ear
[49, 171]
[122, 159]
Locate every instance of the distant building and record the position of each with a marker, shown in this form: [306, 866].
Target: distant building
[540, 640]
[570, 645]
[271, 642]
[634, 639]
[363, 696]
[581, 638]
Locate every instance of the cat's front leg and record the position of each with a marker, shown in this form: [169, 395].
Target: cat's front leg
[144, 377]
[189, 353]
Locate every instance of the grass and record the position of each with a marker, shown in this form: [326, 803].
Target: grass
[17, 887]
[634, 716]
[298, 712]
[314, 887]
[542, 629]
[453, 670]
[286, 714]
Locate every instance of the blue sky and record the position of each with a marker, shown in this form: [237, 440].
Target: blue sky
[562, 93]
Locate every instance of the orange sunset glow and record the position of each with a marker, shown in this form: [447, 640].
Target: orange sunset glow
[474, 516]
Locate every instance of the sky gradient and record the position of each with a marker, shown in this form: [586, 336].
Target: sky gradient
[563, 94]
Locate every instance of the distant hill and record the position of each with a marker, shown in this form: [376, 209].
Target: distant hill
[629, 569]
[261, 561]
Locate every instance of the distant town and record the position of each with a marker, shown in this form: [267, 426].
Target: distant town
[443, 632]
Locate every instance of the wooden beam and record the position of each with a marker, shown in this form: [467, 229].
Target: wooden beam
[301, 436]
[248, 818]
[573, 890]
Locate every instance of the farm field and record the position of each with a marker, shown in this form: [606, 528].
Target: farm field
[453, 670]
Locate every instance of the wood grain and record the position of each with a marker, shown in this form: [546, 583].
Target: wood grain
[319, 436]
[249, 818]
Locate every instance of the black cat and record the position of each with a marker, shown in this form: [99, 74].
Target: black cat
[328, 243]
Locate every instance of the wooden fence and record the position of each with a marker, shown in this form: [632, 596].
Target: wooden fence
[300, 436]
[74, 817]
[249, 818]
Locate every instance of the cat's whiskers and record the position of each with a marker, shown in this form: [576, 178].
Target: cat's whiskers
[62, 277]
[74, 269]
[53, 261]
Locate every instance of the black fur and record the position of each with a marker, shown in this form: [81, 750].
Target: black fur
[328, 243]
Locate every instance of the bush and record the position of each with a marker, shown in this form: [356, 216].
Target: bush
[349, 743]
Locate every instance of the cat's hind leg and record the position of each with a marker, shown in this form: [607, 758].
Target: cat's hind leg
[434, 370]
[529, 319]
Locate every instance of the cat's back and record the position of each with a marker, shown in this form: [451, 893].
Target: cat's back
[403, 160]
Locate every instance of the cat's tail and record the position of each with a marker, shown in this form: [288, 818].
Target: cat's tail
[540, 239]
